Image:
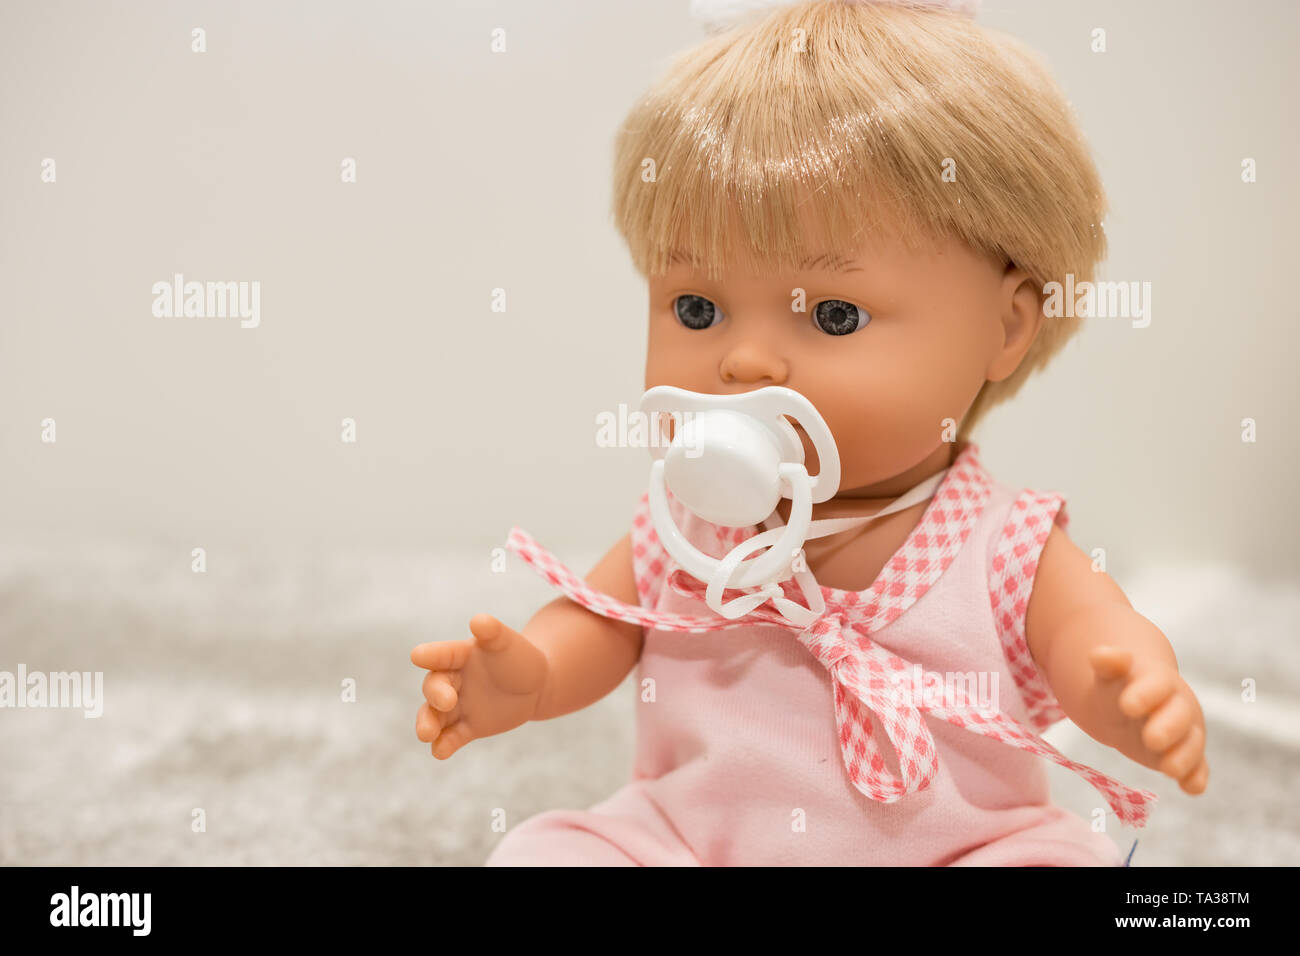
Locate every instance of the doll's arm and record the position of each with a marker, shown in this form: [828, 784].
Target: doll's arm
[1112, 671]
[587, 655]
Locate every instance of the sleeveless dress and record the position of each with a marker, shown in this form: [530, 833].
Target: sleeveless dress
[750, 753]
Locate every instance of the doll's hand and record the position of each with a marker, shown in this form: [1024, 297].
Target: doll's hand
[477, 688]
[1154, 716]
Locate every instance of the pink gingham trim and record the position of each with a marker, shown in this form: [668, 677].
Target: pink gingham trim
[864, 677]
[1011, 581]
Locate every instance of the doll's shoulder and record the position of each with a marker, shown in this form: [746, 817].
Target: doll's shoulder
[1020, 520]
[1016, 519]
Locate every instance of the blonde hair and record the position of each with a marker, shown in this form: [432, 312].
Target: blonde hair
[847, 112]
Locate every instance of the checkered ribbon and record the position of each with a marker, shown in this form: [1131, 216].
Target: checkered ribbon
[868, 681]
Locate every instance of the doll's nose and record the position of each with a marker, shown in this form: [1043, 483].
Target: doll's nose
[749, 364]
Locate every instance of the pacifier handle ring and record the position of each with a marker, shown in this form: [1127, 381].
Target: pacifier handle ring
[755, 570]
[720, 580]
[740, 606]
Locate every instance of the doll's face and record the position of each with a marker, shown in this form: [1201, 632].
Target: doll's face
[890, 343]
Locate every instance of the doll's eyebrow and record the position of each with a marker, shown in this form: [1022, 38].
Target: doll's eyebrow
[836, 263]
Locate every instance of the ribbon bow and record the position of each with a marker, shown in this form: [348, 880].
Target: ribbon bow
[869, 682]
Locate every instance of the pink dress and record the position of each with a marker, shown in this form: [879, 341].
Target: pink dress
[749, 752]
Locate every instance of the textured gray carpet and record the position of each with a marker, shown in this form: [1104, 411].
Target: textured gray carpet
[223, 692]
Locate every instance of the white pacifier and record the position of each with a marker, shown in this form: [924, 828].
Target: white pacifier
[731, 460]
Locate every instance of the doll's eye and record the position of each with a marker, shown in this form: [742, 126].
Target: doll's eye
[696, 312]
[837, 317]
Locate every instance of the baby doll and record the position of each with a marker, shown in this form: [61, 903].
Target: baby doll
[862, 202]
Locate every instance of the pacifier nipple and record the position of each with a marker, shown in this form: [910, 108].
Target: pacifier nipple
[725, 467]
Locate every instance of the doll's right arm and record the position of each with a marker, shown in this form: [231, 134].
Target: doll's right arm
[566, 658]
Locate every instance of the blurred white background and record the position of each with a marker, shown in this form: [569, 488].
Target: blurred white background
[476, 171]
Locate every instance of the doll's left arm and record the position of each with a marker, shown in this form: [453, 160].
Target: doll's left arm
[1112, 671]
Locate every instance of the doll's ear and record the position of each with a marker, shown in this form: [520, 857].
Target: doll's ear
[1021, 311]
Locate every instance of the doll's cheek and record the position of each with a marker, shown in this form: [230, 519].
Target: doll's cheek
[810, 459]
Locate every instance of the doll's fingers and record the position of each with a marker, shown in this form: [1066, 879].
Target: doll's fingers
[1145, 694]
[1186, 756]
[1196, 781]
[441, 655]
[1110, 663]
[490, 634]
[441, 689]
[427, 723]
[452, 739]
[1169, 723]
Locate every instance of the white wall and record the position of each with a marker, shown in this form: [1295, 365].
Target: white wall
[478, 170]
